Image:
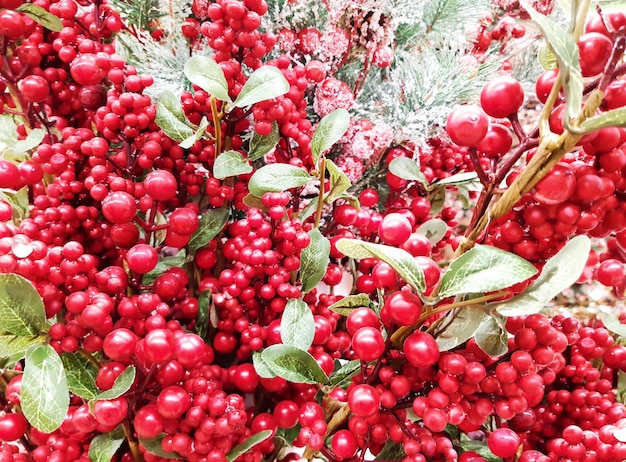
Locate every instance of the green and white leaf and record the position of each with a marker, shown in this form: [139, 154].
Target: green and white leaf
[171, 118]
[458, 179]
[121, 385]
[248, 444]
[329, 130]
[81, 375]
[202, 320]
[297, 326]
[613, 324]
[261, 367]
[208, 75]
[15, 346]
[347, 304]
[265, 83]
[21, 308]
[261, 145]
[164, 264]
[211, 224]
[104, 446]
[612, 118]
[559, 273]
[230, 163]
[45, 397]
[153, 445]
[293, 364]
[463, 325]
[314, 260]
[484, 269]
[277, 178]
[41, 16]
[339, 182]
[492, 336]
[407, 169]
[342, 377]
[199, 133]
[434, 229]
[32, 140]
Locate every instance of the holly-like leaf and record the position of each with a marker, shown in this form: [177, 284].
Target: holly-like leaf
[163, 265]
[45, 397]
[277, 178]
[339, 182]
[171, 118]
[559, 273]
[248, 444]
[329, 130]
[342, 377]
[199, 133]
[399, 259]
[104, 446]
[612, 118]
[208, 75]
[492, 336]
[121, 385]
[153, 445]
[566, 51]
[211, 224]
[14, 346]
[314, 260]
[32, 140]
[265, 83]
[21, 308]
[293, 364]
[230, 163]
[81, 375]
[261, 367]
[484, 269]
[202, 320]
[349, 303]
[407, 169]
[434, 229]
[261, 145]
[41, 16]
[459, 326]
[297, 326]
[459, 178]
[613, 324]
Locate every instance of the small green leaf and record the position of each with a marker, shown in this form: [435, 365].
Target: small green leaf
[391, 451]
[18, 201]
[399, 259]
[41, 16]
[459, 178]
[458, 326]
[613, 324]
[33, 139]
[202, 321]
[230, 163]
[437, 198]
[559, 273]
[104, 446]
[254, 202]
[248, 444]
[479, 447]
[81, 375]
[349, 303]
[171, 118]
[293, 364]
[21, 308]
[288, 435]
[261, 145]
[434, 229]
[297, 326]
[208, 75]
[121, 385]
[262, 367]
[492, 336]
[265, 83]
[14, 346]
[407, 169]
[329, 130]
[339, 182]
[621, 386]
[211, 224]
[277, 178]
[314, 260]
[309, 209]
[163, 265]
[613, 118]
[153, 445]
[547, 58]
[484, 269]
[566, 51]
[342, 377]
[45, 397]
[198, 134]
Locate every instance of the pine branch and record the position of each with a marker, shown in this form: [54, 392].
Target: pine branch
[138, 14]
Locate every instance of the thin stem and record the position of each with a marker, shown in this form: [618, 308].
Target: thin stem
[89, 357]
[132, 444]
[217, 121]
[320, 202]
[482, 175]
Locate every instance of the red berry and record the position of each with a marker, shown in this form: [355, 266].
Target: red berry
[34, 88]
[502, 97]
[467, 125]
[421, 349]
[12, 427]
[394, 229]
[503, 442]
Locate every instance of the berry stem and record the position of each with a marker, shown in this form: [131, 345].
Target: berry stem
[320, 202]
[217, 119]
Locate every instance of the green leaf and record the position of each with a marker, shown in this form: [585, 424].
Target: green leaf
[437, 198]
[559, 273]
[478, 446]
[342, 377]
[163, 265]
[407, 169]
[19, 203]
[310, 209]
[45, 398]
[21, 307]
[277, 178]
[8, 132]
[293, 364]
[202, 321]
[211, 224]
[81, 375]
[400, 260]
[391, 451]
[33, 139]
[16, 346]
[171, 118]
[613, 324]
[104, 446]
[339, 182]
[121, 385]
[459, 178]
[153, 445]
[261, 145]
[613, 118]
[492, 336]
[261, 366]
[208, 75]
[248, 444]
[265, 83]
[297, 326]
[199, 133]
[484, 269]
[41, 16]
[458, 326]
[314, 260]
[349, 303]
[621, 386]
[230, 163]
[434, 229]
[547, 58]
[566, 51]
[329, 130]
[288, 435]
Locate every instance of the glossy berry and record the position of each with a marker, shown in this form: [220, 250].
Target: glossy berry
[503, 442]
[394, 229]
[467, 125]
[502, 96]
[421, 349]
